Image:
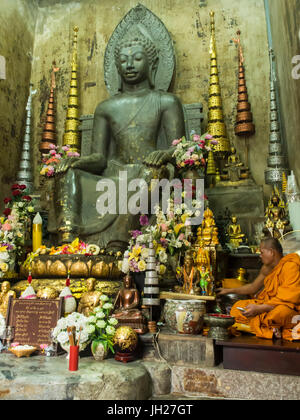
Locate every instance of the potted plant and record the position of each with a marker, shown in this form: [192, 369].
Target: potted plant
[101, 327]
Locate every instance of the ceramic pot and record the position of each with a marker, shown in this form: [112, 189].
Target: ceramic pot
[98, 350]
[184, 316]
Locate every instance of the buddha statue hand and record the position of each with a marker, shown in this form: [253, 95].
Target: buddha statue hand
[67, 163]
[95, 163]
[158, 158]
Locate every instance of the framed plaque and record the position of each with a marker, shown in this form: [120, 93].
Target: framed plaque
[33, 319]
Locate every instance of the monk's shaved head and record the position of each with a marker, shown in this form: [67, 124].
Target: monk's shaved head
[272, 243]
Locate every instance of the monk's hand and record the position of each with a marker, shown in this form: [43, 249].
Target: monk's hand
[252, 310]
[67, 163]
[221, 291]
[157, 158]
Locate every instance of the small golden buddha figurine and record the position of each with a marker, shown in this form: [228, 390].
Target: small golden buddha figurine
[277, 223]
[5, 293]
[127, 310]
[234, 170]
[90, 299]
[236, 237]
[207, 233]
[47, 293]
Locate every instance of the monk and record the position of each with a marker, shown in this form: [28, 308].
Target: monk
[272, 311]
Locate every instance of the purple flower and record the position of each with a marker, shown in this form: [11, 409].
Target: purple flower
[136, 233]
[144, 221]
[214, 142]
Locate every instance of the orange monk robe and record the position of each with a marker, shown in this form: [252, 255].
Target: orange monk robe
[281, 290]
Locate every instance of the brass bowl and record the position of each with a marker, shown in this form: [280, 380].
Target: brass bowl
[22, 352]
[218, 325]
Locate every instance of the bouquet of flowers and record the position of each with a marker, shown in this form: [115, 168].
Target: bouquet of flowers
[191, 153]
[14, 226]
[76, 247]
[101, 327]
[55, 155]
[60, 334]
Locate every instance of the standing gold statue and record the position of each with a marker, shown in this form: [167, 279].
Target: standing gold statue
[90, 299]
[207, 233]
[4, 297]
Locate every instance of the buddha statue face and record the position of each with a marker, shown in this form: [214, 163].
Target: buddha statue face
[233, 219]
[90, 284]
[136, 59]
[127, 282]
[5, 287]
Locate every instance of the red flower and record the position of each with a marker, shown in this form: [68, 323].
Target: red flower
[7, 200]
[22, 187]
[15, 186]
[7, 212]
[15, 193]
[26, 198]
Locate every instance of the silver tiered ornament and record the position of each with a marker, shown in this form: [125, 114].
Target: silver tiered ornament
[276, 161]
[151, 286]
[24, 175]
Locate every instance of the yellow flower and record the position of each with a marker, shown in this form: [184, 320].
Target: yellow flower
[159, 249]
[183, 217]
[2, 219]
[178, 227]
[142, 265]
[3, 248]
[43, 171]
[4, 267]
[135, 253]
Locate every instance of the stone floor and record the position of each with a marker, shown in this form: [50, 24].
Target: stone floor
[42, 378]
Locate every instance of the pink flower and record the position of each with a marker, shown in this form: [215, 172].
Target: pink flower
[6, 227]
[164, 227]
[196, 137]
[164, 242]
[144, 221]
[191, 149]
[57, 155]
[208, 137]
[181, 237]
[65, 148]
[52, 152]
[50, 171]
[175, 142]
[189, 162]
[52, 146]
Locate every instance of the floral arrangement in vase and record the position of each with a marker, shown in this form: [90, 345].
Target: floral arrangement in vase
[77, 320]
[52, 159]
[191, 154]
[14, 227]
[101, 326]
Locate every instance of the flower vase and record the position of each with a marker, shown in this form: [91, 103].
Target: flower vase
[98, 350]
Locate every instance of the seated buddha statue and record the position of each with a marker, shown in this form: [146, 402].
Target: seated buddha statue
[207, 233]
[89, 299]
[236, 237]
[126, 306]
[126, 130]
[277, 223]
[234, 170]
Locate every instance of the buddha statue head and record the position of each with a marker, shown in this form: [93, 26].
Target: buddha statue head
[136, 58]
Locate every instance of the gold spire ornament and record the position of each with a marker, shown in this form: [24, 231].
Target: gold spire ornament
[71, 136]
[49, 132]
[216, 125]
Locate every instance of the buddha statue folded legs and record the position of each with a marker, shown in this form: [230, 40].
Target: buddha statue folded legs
[126, 134]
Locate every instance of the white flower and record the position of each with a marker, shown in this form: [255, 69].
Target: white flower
[84, 337]
[107, 305]
[92, 319]
[145, 253]
[63, 337]
[113, 321]
[20, 204]
[100, 314]
[90, 329]
[2, 324]
[104, 298]
[101, 324]
[110, 330]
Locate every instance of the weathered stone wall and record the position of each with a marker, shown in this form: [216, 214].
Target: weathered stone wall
[285, 23]
[17, 24]
[189, 24]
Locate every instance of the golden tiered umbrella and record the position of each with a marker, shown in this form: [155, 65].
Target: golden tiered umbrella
[216, 125]
[71, 136]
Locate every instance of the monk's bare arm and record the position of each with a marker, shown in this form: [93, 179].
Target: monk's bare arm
[251, 288]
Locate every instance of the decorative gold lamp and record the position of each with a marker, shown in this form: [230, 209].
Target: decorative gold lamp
[71, 136]
[216, 126]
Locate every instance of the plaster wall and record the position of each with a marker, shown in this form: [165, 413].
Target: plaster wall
[285, 23]
[189, 25]
[17, 25]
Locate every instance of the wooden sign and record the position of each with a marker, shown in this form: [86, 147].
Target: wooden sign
[33, 319]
